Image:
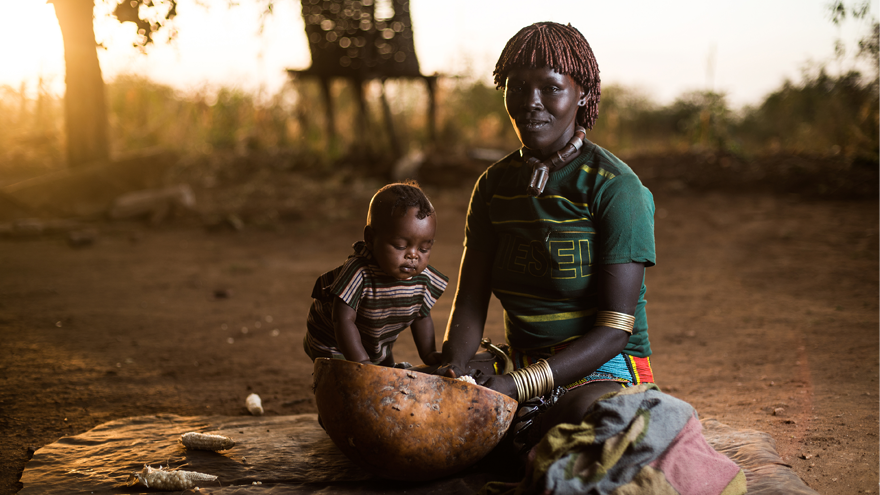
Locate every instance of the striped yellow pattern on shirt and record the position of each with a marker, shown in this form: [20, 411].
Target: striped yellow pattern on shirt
[532, 296]
[542, 220]
[545, 197]
[556, 316]
[594, 170]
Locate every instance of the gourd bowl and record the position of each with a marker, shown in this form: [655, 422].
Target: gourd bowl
[405, 425]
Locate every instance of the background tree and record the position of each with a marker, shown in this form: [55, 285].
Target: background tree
[869, 44]
[85, 106]
[827, 112]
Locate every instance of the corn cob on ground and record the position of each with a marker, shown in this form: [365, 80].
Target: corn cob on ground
[204, 441]
[170, 479]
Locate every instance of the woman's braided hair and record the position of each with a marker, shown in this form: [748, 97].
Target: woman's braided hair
[562, 48]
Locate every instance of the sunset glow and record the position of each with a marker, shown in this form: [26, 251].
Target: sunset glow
[663, 48]
[31, 42]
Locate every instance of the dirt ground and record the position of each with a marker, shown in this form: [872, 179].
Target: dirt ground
[763, 313]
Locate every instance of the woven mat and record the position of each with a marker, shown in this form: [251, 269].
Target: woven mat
[292, 454]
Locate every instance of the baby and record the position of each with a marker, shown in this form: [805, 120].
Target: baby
[361, 307]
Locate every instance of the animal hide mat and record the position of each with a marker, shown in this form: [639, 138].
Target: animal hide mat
[292, 454]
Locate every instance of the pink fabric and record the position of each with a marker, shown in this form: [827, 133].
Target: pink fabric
[692, 466]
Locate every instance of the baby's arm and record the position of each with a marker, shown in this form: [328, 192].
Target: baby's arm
[423, 334]
[348, 337]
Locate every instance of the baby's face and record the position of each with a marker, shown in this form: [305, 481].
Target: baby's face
[402, 246]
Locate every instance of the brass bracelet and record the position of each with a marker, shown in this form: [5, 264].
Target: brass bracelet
[517, 376]
[533, 381]
[613, 319]
[547, 378]
[517, 380]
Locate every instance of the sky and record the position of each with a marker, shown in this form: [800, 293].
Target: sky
[745, 48]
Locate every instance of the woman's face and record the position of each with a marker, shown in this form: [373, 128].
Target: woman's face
[542, 105]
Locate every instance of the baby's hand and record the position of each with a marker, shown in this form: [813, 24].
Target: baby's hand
[434, 358]
[450, 370]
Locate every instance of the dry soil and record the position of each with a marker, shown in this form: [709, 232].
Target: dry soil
[763, 313]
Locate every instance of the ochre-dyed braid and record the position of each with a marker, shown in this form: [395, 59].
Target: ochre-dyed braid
[560, 47]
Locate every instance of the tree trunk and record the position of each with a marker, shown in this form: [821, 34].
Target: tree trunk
[84, 102]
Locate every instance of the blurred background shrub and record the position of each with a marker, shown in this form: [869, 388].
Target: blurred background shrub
[822, 114]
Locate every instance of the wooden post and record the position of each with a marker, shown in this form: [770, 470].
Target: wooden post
[389, 124]
[363, 117]
[328, 107]
[431, 83]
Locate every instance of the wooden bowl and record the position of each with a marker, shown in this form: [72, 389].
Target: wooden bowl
[404, 425]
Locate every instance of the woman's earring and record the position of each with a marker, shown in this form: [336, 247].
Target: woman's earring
[583, 101]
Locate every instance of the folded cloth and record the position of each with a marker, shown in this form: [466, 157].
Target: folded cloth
[636, 441]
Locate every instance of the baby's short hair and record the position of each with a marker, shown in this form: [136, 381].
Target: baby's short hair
[405, 195]
[560, 47]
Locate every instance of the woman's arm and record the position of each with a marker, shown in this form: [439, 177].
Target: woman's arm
[619, 288]
[423, 335]
[468, 316]
[348, 337]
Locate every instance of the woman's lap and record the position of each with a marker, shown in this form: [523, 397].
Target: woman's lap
[619, 372]
[572, 406]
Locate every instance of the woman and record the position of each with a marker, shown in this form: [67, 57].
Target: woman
[561, 231]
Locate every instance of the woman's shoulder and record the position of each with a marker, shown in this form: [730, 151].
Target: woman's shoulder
[598, 173]
[511, 161]
[502, 171]
[602, 162]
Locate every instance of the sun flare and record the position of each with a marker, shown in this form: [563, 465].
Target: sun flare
[32, 42]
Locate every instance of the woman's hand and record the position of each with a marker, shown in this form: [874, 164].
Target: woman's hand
[499, 383]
